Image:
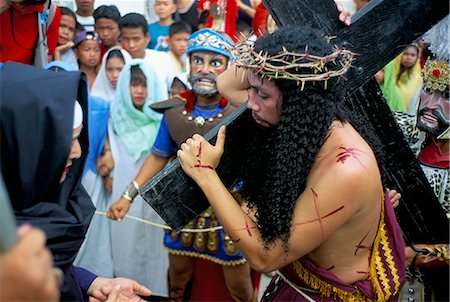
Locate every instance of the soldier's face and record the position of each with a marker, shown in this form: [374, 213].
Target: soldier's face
[434, 111]
[205, 67]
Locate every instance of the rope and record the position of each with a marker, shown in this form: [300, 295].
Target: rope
[163, 226]
[296, 288]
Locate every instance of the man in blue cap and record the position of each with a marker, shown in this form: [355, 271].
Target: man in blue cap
[194, 111]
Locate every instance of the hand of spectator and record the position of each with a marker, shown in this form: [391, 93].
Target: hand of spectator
[62, 48]
[117, 289]
[344, 15]
[118, 209]
[105, 163]
[395, 197]
[108, 182]
[26, 272]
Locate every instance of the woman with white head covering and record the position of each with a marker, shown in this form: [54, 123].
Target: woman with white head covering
[112, 63]
[95, 253]
[137, 248]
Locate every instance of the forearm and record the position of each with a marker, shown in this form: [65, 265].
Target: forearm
[238, 224]
[233, 85]
[247, 9]
[152, 165]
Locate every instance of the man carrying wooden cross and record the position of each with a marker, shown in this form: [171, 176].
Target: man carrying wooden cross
[317, 211]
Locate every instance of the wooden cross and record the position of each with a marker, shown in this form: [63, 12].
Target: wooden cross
[378, 33]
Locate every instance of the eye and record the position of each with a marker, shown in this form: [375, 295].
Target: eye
[216, 63]
[446, 95]
[197, 61]
[427, 90]
[262, 95]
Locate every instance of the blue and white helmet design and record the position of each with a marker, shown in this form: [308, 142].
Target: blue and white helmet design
[209, 40]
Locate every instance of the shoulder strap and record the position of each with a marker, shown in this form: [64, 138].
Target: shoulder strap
[44, 20]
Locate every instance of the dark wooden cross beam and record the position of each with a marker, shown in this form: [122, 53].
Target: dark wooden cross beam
[378, 33]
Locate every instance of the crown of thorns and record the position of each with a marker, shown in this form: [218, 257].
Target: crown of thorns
[292, 65]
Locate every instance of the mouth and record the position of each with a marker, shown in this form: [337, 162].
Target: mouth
[428, 118]
[206, 82]
[258, 120]
[67, 169]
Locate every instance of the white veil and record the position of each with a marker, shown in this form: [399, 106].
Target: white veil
[102, 87]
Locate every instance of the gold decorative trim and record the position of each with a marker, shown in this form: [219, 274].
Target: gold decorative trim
[325, 288]
[376, 265]
[206, 257]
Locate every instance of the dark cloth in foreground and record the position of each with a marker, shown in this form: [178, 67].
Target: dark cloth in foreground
[36, 119]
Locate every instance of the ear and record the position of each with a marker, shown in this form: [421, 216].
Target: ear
[76, 51]
[174, 8]
[169, 41]
[147, 38]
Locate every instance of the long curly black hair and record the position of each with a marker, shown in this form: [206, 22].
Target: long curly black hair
[286, 153]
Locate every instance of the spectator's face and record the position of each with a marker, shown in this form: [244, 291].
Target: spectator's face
[138, 91]
[134, 41]
[113, 68]
[108, 31]
[409, 57]
[178, 43]
[85, 5]
[75, 152]
[434, 111]
[88, 53]
[205, 67]
[67, 29]
[165, 9]
[264, 100]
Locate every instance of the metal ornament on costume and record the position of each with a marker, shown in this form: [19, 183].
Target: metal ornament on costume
[435, 75]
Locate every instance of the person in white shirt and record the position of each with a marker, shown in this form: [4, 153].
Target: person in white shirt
[135, 37]
[85, 14]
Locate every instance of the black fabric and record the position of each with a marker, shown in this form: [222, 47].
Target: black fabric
[36, 117]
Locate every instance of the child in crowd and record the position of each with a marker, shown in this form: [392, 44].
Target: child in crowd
[66, 35]
[84, 13]
[87, 50]
[134, 38]
[107, 26]
[179, 32]
[159, 31]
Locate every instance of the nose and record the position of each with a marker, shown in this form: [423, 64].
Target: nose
[252, 104]
[75, 152]
[116, 74]
[205, 69]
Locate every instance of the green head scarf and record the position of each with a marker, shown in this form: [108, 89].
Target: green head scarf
[137, 129]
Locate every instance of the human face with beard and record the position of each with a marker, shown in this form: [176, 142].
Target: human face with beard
[434, 111]
[264, 100]
[205, 67]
